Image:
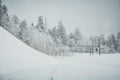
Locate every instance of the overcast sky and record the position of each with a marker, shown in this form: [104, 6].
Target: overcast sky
[91, 16]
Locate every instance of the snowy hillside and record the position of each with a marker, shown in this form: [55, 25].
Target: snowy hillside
[16, 56]
[20, 62]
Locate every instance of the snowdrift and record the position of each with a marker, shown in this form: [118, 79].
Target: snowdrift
[15, 56]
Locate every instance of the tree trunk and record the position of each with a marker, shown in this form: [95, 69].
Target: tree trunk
[99, 47]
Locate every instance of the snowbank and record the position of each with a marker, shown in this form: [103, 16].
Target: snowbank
[15, 56]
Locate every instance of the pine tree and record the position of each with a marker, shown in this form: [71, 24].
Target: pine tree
[58, 34]
[5, 18]
[5, 9]
[53, 33]
[77, 36]
[40, 26]
[77, 40]
[1, 12]
[62, 37]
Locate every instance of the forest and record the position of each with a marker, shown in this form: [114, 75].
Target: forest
[56, 41]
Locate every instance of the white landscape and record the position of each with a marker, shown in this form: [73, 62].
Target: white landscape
[59, 39]
[20, 62]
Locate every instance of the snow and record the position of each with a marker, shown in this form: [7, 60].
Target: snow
[85, 67]
[20, 62]
[16, 57]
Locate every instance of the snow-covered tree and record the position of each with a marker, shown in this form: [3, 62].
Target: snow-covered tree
[113, 38]
[101, 42]
[76, 39]
[77, 36]
[97, 43]
[23, 30]
[111, 43]
[53, 33]
[61, 34]
[118, 42]
[60, 38]
[15, 20]
[5, 17]
[1, 10]
[71, 41]
[40, 26]
[93, 43]
[41, 41]
[14, 25]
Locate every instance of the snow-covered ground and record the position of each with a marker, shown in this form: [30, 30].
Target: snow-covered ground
[20, 62]
[85, 67]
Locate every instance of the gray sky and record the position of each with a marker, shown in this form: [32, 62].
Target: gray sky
[91, 16]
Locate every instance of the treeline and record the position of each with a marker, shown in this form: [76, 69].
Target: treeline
[56, 41]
